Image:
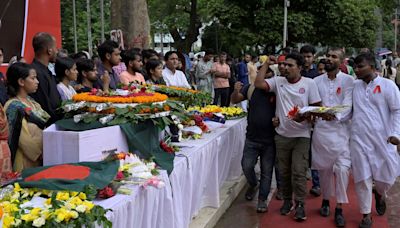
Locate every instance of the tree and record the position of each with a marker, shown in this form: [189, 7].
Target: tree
[182, 19]
[131, 16]
[67, 26]
[348, 23]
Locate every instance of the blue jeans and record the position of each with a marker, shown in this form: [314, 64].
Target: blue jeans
[266, 152]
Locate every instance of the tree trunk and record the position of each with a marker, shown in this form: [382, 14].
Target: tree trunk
[185, 44]
[131, 16]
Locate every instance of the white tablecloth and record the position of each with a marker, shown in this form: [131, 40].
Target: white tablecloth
[200, 169]
[198, 177]
[148, 207]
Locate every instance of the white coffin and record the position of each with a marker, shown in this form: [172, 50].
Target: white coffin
[61, 147]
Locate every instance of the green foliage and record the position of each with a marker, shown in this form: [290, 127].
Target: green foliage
[67, 23]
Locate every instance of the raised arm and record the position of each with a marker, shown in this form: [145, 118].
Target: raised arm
[260, 82]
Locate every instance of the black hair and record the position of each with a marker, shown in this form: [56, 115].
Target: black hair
[15, 72]
[338, 49]
[106, 48]
[223, 53]
[151, 65]
[41, 41]
[130, 55]
[168, 54]
[296, 56]
[148, 53]
[79, 55]
[209, 52]
[307, 49]
[322, 61]
[369, 57]
[84, 65]
[63, 64]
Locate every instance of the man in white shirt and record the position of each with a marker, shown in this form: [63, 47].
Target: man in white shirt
[375, 122]
[171, 75]
[330, 143]
[293, 133]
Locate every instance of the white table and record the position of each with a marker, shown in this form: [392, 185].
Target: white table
[200, 169]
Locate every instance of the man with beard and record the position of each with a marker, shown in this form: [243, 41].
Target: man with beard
[293, 133]
[330, 143]
[375, 122]
[110, 56]
[44, 46]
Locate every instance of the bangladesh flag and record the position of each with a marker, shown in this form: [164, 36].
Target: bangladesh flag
[72, 177]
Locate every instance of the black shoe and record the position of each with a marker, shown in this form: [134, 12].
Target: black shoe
[366, 222]
[250, 193]
[325, 210]
[287, 207]
[300, 214]
[315, 191]
[279, 195]
[380, 204]
[262, 206]
[339, 218]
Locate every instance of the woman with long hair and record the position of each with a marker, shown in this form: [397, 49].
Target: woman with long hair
[389, 72]
[66, 73]
[26, 118]
[154, 72]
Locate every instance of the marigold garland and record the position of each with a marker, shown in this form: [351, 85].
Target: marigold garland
[156, 97]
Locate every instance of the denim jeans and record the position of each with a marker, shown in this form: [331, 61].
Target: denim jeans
[315, 178]
[266, 152]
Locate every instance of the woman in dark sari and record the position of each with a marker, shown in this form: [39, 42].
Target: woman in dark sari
[26, 118]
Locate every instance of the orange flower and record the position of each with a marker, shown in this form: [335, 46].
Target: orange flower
[155, 97]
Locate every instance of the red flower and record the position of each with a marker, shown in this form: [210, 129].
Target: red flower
[143, 89]
[377, 89]
[28, 110]
[125, 87]
[339, 91]
[293, 112]
[120, 176]
[105, 193]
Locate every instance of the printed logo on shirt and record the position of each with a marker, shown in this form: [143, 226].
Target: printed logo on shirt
[302, 90]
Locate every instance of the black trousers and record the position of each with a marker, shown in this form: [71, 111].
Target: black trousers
[222, 95]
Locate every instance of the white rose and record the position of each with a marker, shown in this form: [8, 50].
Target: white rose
[74, 214]
[180, 126]
[80, 208]
[39, 222]
[17, 222]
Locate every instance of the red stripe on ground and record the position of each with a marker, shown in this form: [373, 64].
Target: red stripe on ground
[273, 219]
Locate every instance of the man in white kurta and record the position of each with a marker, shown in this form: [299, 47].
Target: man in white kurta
[171, 75]
[330, 144]
[376, 119]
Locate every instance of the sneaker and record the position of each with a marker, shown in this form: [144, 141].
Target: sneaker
[339, 218]
[300, 214]
[380, 204]
[325, 210]
[287, 207]
[315, 191]
[262, 206]
[250, 193]
[279, 195]
[366, 222]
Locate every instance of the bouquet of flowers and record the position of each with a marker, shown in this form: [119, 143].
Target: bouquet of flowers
[23, 207]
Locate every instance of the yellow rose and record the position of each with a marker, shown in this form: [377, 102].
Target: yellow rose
[17, 187]
[28, 217]
[62, 196]
[8, 221]
[82, 196]
[89, 205]
[35, 211]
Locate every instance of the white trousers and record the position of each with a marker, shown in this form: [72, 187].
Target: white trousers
[364, 193]
[334, 182]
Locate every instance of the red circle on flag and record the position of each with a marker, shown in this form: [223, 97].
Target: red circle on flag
[302, 90]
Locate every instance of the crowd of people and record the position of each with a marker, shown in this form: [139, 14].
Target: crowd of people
[360, 141]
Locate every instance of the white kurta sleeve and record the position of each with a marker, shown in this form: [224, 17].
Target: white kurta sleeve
[348, 98]
[394, 107]
[313, 96]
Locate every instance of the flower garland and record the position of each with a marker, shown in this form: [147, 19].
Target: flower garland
[23, 207]
[133, 98]
[228, 112]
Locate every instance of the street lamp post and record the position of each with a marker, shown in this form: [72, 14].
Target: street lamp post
[89, 27]
[286, 5]
[75, 35]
